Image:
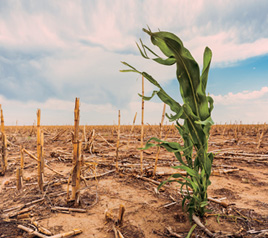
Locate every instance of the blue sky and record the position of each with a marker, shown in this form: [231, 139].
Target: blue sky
[54, 51]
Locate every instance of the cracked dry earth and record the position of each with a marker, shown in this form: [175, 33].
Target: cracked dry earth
[239, 178]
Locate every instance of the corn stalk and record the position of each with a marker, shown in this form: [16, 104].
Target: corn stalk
[160, 135]
[3, 138]
[4, 154]
[142, 123]
[76, 155]
[2, 120]
[117, 143]
[131, 131]
[195, 112]
[40, 145]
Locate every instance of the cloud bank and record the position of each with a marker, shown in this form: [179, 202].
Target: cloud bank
[246, 107]
[54, 51]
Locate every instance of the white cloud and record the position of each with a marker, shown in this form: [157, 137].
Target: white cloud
[235, 30]
[93, 74]
[110, 23]
[241, 97]
[248, 107]
[23, 31]
[60, 112]
[225, 49]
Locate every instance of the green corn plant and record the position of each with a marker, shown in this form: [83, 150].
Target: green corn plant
[195, 112]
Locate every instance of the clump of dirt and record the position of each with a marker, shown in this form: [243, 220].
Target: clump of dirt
[9, 229]
[226, 192]
[180, 218]
[131, 231]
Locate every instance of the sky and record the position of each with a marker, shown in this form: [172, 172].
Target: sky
[54, 51]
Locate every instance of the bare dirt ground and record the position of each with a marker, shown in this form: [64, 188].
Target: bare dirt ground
[239, 179]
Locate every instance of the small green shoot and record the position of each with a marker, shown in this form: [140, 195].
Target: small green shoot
[191, 231]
